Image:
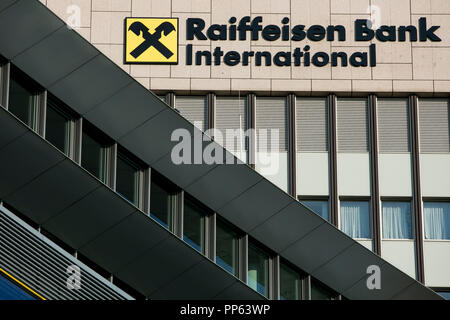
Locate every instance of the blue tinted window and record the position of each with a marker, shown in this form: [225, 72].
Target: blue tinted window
[318, 206]
[12, 291]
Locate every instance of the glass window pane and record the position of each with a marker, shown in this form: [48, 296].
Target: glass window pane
[396, 220]
[93, 156]
[319, 207]
[127, 179]
[320, 292]
[57, 128]
[445, 295]
[194, 224]
[227, 248]
[161, 204]
[437, 220]
[290, 284]
[22, 98]
[355, 219]
[258, 270]
[11, 291]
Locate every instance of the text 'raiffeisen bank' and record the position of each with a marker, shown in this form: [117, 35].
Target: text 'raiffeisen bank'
[254, 30]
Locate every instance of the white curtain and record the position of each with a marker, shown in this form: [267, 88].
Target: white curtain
[396, 220]
[437, 220]
[355, 219]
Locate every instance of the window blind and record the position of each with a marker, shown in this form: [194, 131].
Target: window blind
[231, 114]
[312, 124]
[271, 114]
[193, 108]
[434, 125]
[393, 125]
[352, 125]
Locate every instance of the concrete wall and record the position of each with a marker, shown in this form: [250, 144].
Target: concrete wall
[402, 67]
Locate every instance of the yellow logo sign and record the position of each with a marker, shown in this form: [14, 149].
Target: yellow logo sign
[151, 40]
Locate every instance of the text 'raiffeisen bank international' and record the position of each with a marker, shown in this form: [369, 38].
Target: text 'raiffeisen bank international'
[254, 29]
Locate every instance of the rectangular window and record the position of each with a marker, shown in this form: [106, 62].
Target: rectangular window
[318, 206]
[227, 248]
[162, 200]
[128, 178]
[194, 109]
[434, 121]
[437, 220]
[393, 125]
[290, 283]
[355, 219]
[271, 119]
[258, 270]
[23, 97]
[312, 124]
[231, 120]
[57, 125]
[94, 152]
[320, 292]
[352, 125]
[194, 221]
[396, 220]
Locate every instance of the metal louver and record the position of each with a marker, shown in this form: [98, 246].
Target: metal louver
[434, 125]
[41, 265]
[393, 125]
[271, 114]
[352, 125]
[312, 124]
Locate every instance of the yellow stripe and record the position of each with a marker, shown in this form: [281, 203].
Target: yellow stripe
[22, 284]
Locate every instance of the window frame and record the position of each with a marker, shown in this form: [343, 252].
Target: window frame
[412, 216]
[371, 214]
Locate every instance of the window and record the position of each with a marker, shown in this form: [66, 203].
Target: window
[23, 97]
[355, 219]
[352, 125]
[437, 220]
[162, 200]
[318, 206]
[94, 152]
[231, 116]
[128, 178]
[290, 283]
[12, 291]
[312, 124]
[393, 125]
[194, 217]
[320, 292]
[396, 220]
[258, 270]
[57, 126]
[444, 294]
[434, 121]
[194, 109]
[227, 248]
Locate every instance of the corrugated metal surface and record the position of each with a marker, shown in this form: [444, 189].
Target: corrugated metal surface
[434, 125]
[231, 113]
[312, 124]
[42, 266]
[193, 108]
[352, 125]
[271, 114]
[393, 125]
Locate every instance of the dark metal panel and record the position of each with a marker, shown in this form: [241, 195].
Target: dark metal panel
[205, 287]
[115, 248]
[152, 140]
[347, 268]
[9, 130]
[23, 160]
[318, 247]
[236, 290]
[392, 282]
[144, 106]
[16, 35]
[184, 174]
[416, 291]
[223, 184]
[53, 182]
[55, 56]
[255, 205]
[6, 3]
[165, 261]
[91, 84]
[89, 217]
[286, 227]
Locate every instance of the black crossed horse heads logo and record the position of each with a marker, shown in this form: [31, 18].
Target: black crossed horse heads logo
[151, 39]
